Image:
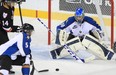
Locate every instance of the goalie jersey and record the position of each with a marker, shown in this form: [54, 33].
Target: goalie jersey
[19, 45]
[79, 29]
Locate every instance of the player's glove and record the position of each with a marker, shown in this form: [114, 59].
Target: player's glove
[19, 29]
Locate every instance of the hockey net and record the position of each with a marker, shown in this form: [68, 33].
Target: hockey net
[100, 10]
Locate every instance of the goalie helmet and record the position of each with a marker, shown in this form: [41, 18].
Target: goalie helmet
[28, 28]
[79, 15]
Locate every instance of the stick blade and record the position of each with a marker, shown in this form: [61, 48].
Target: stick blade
[45, 70]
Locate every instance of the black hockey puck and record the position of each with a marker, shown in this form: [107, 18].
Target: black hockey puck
[57, 69]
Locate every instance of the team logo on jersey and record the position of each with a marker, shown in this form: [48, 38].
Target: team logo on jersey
[5, 15]
[75, 26]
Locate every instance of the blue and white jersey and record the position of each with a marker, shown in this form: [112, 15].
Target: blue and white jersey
[19, 45]
[71, 26]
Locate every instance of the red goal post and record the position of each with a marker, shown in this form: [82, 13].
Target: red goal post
[112, 22]
[65, 6]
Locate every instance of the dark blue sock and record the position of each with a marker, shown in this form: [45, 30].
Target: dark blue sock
[25, 71]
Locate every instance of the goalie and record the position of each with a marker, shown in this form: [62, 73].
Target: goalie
[83, 35]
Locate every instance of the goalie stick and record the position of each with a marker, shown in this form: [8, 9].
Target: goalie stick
[45, 26]
[65, 46]
[73, 54]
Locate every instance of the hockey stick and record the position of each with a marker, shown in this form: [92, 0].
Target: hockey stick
[39, 71]
[73, 54]
[65, 46]
[45, 26]
[20, 13]
[34, 69]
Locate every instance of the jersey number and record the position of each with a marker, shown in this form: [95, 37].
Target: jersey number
[5, 23]
[26, 44]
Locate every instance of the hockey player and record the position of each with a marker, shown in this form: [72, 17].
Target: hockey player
[78, 25]
[17, 51]
[6, 19]
[75, 32]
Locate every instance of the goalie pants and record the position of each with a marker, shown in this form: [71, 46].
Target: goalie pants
[6, 62]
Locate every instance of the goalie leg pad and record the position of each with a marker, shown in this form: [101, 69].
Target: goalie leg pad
[97, 48]
[56, 52]
[60, 52]
[86, 55]
[53, 54]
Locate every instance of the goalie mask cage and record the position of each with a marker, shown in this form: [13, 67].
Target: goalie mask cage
[100, 10]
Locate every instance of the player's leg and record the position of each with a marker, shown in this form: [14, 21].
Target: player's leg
[26, 66]
[96, 47]
[24, 62]
[19, 61]
[3, 38]
[5, 65]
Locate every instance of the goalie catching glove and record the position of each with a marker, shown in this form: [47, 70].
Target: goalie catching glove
[97, 34]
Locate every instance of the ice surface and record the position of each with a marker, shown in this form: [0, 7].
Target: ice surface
[67, 66]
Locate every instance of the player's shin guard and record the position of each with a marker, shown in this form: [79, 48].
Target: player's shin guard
[26, 69]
